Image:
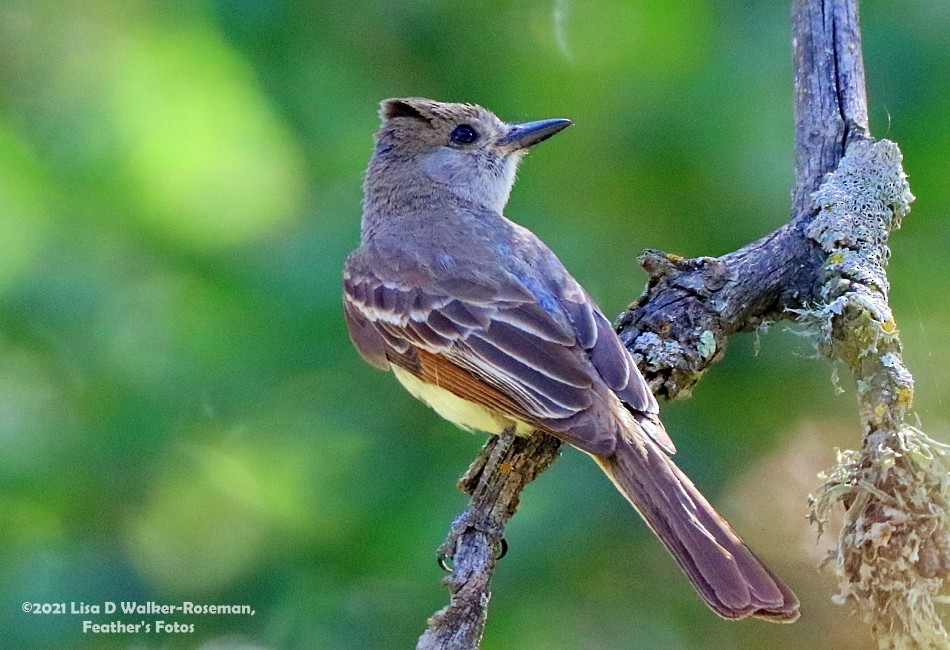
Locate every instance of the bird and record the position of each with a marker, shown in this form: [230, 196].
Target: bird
[480, 320]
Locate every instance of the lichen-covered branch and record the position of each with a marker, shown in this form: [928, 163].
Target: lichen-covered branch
[826, 266]
[893, 555]
[682, 322]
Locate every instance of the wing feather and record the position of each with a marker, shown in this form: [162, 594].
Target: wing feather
[366, 338]
[495, 344]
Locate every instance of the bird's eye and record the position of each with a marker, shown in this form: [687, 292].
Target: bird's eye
[464, 134]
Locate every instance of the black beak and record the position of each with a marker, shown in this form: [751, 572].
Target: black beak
[523, 136]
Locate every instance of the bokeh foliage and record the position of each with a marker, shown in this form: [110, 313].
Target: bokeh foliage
[181, 414]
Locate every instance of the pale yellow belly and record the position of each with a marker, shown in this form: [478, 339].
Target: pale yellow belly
[461, 412]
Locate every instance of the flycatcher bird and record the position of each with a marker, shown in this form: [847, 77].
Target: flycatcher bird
[480, 320]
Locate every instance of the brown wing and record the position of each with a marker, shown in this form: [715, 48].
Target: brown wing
[612, 361]
[495, 336]
[436, 369]
[366, 338]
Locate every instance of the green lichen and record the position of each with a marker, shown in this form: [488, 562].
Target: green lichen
[678, 363]
[866, 197]
[707, 344]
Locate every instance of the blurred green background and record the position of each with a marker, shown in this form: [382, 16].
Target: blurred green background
[182, 416]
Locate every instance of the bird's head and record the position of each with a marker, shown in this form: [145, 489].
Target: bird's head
[465, 147]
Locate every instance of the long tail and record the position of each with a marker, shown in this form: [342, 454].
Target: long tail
[732, 581]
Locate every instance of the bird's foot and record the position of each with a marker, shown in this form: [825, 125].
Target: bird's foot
[470, 521]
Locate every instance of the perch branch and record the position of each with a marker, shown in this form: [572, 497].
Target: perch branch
[494, 481]
[825, 266]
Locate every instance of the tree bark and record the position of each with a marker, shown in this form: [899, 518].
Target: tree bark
[682, 322]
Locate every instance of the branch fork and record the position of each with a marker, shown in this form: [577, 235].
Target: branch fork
[825, 267]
